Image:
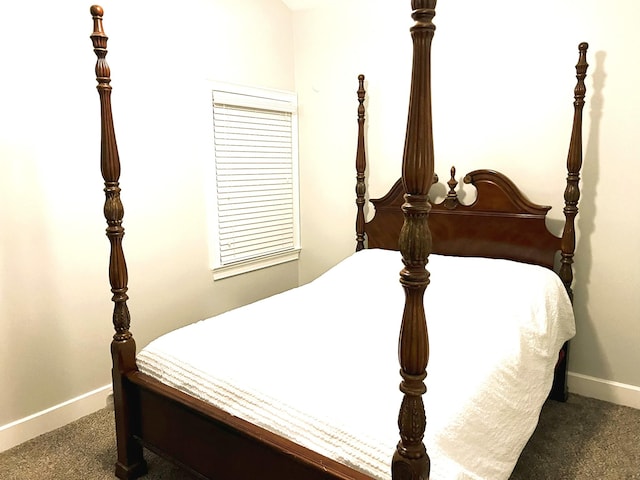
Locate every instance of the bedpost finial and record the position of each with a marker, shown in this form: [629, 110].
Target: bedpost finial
[361, 93]
[581, 71]
[97, 12]
[451, 200]
[582, 65]
[453, 183]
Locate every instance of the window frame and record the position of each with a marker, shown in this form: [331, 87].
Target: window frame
[259, 98]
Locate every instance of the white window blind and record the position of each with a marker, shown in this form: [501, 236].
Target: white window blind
[255, 139]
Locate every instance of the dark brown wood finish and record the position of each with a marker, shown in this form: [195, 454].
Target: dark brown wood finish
[501, 223]
[410, 460]
[560, 390]
[130, 463]
[361, 165]
[574, 165]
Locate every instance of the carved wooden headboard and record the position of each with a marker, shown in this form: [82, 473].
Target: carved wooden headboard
[500, 223]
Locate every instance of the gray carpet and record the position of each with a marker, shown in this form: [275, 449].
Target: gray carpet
[580, 439]
[583, 439]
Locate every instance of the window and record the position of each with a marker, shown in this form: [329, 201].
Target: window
[255, 223]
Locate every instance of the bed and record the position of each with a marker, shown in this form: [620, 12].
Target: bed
[320, 400]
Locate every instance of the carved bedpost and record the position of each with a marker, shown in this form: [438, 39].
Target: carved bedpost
[559, 390]
[110, 167]
[410, 461]
[574, 164]
[361, 165]
[130, 462]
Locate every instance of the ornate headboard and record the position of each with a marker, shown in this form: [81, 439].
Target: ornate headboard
[501, 223]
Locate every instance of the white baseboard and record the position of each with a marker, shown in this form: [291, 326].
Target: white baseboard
[614, 392]
[20, 431]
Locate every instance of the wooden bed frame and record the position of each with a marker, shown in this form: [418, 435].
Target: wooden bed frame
[501, 223]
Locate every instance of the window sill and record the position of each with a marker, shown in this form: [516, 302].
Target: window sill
[244, 267]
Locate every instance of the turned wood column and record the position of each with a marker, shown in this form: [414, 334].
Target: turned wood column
[130, 463]
[574, 165]
[559, 390]
[411, 461]
[361, 165]
[110, 167]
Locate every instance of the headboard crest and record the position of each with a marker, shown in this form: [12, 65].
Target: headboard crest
[451, 201]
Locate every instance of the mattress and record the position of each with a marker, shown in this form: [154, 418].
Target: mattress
[318, 364]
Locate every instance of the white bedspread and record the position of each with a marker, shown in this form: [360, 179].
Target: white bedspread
[318, 364]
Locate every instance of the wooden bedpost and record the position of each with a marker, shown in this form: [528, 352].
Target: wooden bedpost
[361, 165]
[130, 463]
[411, 461]
[574, 164]
[560, 391]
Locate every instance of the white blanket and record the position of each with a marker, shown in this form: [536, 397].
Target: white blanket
[318, 364]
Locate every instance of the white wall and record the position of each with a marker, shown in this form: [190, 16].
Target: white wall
[503, 79]
[55, 312]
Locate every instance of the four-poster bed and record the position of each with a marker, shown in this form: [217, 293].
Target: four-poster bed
[329, 419]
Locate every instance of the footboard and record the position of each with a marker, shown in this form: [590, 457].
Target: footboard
[221, 445]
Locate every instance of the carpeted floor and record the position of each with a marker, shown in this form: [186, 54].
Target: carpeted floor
[581, 439]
